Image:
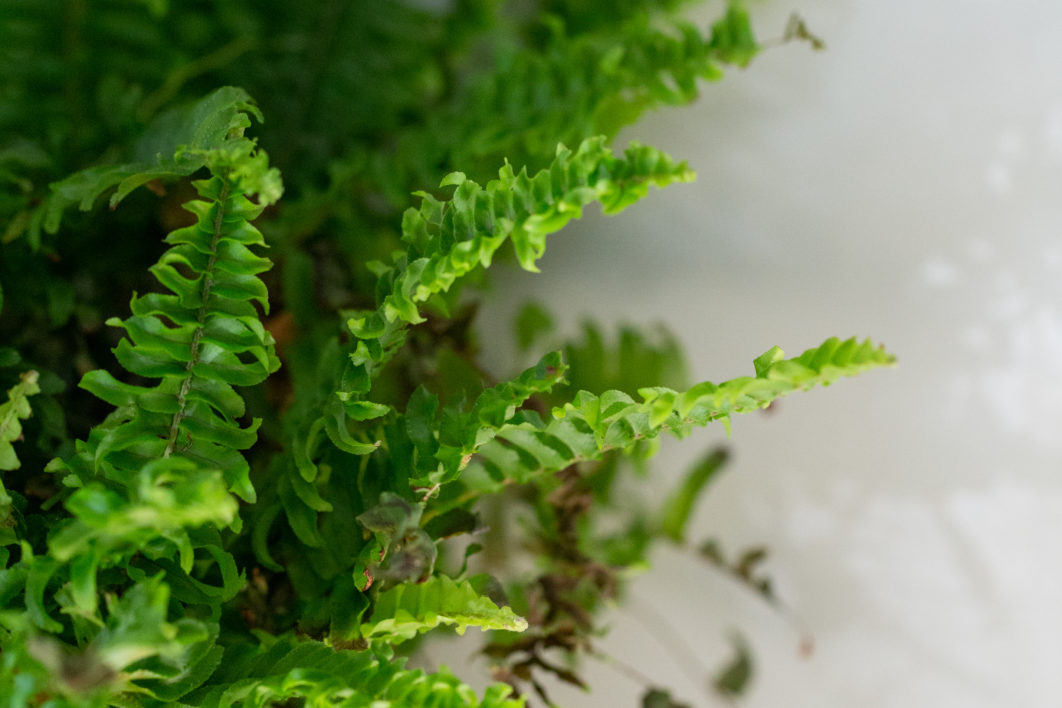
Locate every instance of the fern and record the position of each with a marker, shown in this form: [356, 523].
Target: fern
[213, 533]
[80, 74]
[155, 476]
[201, 339]
[176, 144]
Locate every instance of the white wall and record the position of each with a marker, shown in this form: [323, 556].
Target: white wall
[905, 184]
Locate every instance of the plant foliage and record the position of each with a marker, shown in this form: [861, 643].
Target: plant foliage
[276, 474]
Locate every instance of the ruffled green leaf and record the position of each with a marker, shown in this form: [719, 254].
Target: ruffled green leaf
[15, 409]
[677, 510]
[409, 609]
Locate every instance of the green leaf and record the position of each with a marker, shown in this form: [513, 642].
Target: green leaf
[450, 239]
[406, 610]
[176, 144]
[531, 323]
[659, 698]
[733, 38]
[461, 434]
[12, 411]
[677, 510]
[200, 341]
[733, 679]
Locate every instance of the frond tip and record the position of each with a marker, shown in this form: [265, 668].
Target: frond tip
[449, 239]
[592, 424]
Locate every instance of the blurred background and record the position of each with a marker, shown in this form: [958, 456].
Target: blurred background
[903, 184]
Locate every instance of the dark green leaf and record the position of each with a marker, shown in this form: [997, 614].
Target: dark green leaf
[676, 513]
[531, 323]
[659, 698]
[733, 679]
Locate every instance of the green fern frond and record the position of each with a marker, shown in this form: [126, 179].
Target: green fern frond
[201, 339]
[448, 239]
[12, 411]
[576, 83]
[171, 495]
[178, 443]
[15, 409]
[288, 668]
[591, 425]
[137, 651]
[408, 609]
[775, 377]
[178, 143]
[460, 434]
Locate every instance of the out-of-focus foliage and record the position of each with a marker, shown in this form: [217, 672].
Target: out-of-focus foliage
[259, 478]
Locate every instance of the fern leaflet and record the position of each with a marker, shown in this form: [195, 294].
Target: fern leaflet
[408, 609]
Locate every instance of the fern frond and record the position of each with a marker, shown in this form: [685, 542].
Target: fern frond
[593, 83]
[60, 107]
[12, 411]
[576, 82]
[171, 495]
[201, 339]
[176, 144]
[15, 409]
[441, 456]
[292, 669]
[408, 609]
[448, 239]
[155, 477]
[591, 425]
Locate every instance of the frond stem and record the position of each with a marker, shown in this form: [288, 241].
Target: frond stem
[208, 283]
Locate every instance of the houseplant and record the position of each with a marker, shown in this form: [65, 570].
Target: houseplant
[264, 478]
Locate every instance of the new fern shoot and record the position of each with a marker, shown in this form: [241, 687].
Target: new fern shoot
[248, 455]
